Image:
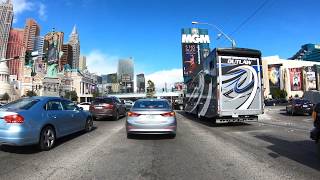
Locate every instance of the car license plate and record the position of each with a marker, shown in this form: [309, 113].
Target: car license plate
[305, 106]
[98, 107]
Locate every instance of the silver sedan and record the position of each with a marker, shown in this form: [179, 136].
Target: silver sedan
[151, 116]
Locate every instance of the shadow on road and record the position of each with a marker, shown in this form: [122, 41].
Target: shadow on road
[32, 149]
[210, 122]
[151, 136]
[295, 115]
[304, 152]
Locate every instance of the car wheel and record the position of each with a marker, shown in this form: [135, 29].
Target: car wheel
[47, 138]
[89, 125]
[172, 136]
[116, 116]
[129, 136]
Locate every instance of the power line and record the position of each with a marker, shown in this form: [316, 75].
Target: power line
[251, 16]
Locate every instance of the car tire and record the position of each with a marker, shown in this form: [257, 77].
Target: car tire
[116, 116]
[89, 125]
[47, 138]
[172, 136]
[129, 136]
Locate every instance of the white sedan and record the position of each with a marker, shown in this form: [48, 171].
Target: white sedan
[85, 105]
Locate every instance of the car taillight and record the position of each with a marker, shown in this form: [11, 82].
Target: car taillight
[108, 106]
[314, 116]
[168, 114]
[14, 118]
[133, 114]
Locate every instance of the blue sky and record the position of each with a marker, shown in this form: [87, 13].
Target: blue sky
[149, 30]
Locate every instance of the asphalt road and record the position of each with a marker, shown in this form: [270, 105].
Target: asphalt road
[276, 147]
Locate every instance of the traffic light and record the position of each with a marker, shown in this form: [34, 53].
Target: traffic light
[28, 58]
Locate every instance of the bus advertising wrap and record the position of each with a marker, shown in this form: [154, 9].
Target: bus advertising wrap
[295, 79]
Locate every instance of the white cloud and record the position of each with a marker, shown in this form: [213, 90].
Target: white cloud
[169, 77]
[42, 12]
[101, 63]
[20, 6]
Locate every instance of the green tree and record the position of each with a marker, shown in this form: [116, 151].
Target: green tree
[151, 90]
[72, 95]
[278, 93]
[31, 93]
[96, 93]
[5, 97]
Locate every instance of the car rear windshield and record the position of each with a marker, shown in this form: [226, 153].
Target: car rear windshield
[24, 104]
[151, 105]
[301, 101]
[102, 101]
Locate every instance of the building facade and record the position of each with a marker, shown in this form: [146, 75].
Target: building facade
[82, 63]
[15, 48]
[6, 12]
[66, 57]
[75, 43]
[308, 52]
[295, 77]
[125, 75]
[141, 83]
[57, 37]
[6, 17]
[31, 31]
[39, 44]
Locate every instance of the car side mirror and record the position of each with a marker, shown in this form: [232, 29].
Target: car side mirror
[122, 102]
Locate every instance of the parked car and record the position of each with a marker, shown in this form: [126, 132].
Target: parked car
[274, 102]
[107, 107]
[151, 116]
[299, 106]
[128, 104]
[41, 120]
[85, 105]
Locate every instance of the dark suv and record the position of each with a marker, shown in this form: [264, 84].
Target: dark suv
[103, 107]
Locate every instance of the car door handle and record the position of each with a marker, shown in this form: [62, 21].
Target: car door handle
[54, 117]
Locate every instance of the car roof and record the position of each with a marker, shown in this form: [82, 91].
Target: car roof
[152, 99]
[46, 98]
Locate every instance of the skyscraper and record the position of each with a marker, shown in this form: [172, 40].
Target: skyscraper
[6, 17]
[38, 44]
[125, 74]
[15, 48]
[75, 43]
[82, 63]
[31, 31]
[141, 83]
[66, 57]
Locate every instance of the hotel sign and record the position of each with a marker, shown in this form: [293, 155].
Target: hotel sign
[195, 38]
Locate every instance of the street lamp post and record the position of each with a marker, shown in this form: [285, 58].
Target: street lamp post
[233, 42]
